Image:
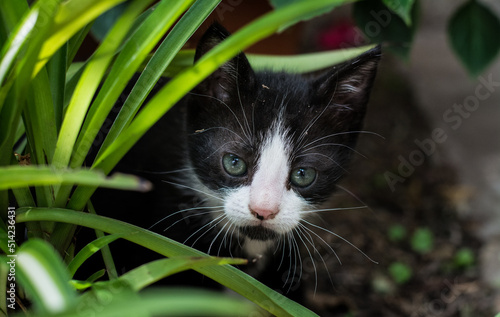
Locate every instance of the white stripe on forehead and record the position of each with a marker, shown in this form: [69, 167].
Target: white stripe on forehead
[271, 176]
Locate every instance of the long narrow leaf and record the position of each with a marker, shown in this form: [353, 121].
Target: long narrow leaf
[128, 61]
[71, 17]
[39, 120]
[23, 176]
[90, 249]
[301, 63]
[229, 276]
[160, 302]
[158, 63]
[89, 82]
[305, 63]
[151, 272]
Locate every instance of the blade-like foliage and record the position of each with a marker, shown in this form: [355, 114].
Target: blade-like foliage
[229, 276]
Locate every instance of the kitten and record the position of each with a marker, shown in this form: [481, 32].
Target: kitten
[241, 162]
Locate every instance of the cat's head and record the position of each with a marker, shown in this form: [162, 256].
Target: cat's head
[268, 148]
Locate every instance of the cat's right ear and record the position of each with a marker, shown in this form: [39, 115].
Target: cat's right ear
[227, 79]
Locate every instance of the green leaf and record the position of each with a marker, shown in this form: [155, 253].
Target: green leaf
[229, 276]
[304, 63]
[71, 17]
[41, 272]
[400, 272]
[464, 258]
[118, 300]
[277, 4]
[105, 21]
[166, 52]
[90, 249]
[422, 240]
[473, 32]
[16, 40]
[402, 8]
[88, 83]
[130, 58]
[23, 176]
[396, 233]
[379, 24]
[151, 272]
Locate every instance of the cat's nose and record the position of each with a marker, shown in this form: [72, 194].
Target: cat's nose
[263, 214]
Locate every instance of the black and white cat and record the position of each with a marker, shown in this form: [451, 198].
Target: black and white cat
[241, 162]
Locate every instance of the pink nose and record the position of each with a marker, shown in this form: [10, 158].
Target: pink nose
[263, 213]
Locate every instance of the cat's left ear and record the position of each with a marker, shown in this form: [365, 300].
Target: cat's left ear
[347, 86]
[234, 74]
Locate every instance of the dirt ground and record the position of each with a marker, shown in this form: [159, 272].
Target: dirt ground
[427, 258]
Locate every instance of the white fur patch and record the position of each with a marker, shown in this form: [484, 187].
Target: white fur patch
[268, 191]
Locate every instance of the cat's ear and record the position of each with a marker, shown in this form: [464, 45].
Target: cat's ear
[347, 87]
[234, 74]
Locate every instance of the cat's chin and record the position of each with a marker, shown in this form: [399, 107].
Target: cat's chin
[258, 233]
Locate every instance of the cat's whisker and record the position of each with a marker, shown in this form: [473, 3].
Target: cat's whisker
[311, 241]
[354, 196]
[335, 144]
[210, 224]
[220, 147]
[309, 231]
[322, 240]
[342, 133]
[194, 189]
[299, 234]
[310, 125]
[296, 253]
[231, 241]
[313, 211]
[217, 235]
[181, 211]
[281, 241]
[342, 238]
[290, 246]
[166, 172]
[231, 110]
[188, 216]
[222, 128]
[248, 132]
[325, 156]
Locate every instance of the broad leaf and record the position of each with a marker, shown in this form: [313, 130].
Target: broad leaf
[381, 25]
[41, 272]
[402, 8]
[473, 31]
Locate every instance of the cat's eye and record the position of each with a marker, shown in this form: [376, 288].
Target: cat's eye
[234, 165]
[303, 176]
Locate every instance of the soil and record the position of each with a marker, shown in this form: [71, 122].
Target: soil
[434, 280]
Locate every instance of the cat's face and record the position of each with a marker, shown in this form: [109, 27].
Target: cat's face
[268, 148]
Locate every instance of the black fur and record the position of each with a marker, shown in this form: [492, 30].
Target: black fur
[201, 128]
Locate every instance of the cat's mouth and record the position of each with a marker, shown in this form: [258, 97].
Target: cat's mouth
[258, 233]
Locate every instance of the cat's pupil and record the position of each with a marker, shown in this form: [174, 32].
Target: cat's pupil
[234, 165]
[303, 176]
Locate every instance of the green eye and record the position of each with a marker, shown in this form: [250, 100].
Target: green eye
[234, 165]
[303, 176]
